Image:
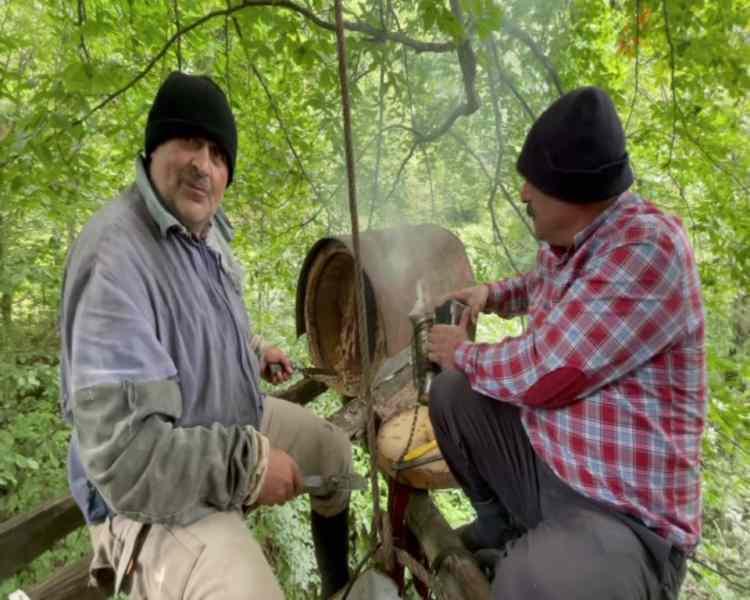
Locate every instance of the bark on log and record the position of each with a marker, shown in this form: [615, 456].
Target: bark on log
[26, 536]
[457, 577]
[68, 583]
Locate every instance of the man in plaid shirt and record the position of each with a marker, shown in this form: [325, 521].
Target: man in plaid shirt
[591, 457]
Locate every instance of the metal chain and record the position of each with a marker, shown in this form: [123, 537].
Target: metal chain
[411, 435]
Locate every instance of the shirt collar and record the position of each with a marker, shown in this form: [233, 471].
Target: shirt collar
[165, 219]
[561, 255]
[623, 200]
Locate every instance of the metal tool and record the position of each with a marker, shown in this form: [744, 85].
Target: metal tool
[315, 371]
[422, 318]
[307, 371]
[450, 312]
[317, 485]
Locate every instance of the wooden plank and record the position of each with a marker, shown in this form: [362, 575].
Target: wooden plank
[302, 392]
[26, 536]
[458, 577]
[68, 583]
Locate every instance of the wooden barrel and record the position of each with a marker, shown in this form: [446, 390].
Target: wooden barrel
[394, 260]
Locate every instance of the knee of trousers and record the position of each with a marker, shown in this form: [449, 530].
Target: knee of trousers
[338, 451]
[448, 392]
[518, 577]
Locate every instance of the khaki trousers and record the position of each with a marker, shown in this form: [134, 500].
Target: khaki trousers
[217, 556]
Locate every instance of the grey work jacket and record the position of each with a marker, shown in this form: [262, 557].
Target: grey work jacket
[158, 377]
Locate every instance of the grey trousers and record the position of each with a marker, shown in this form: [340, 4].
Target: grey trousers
[572, 548]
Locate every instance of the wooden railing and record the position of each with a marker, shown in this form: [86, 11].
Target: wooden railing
[24, 537]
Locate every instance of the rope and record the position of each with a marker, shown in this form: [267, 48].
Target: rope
[364, 342]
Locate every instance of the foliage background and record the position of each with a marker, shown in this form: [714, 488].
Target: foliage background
[76, 81]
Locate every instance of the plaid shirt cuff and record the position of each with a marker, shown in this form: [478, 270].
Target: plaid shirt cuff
[465, 357]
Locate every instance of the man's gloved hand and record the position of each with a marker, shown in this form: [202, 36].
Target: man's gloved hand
[474, 297]
[283, 369]
[282, 481]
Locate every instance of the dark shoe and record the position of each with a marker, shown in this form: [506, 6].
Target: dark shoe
[331, 540]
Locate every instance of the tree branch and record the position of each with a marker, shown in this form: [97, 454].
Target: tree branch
[675, 108]
[227, 47]
[486, 172]
[179, 39]
[400, 171]
[637, 60]
[468, 64]
[498, 164]
[375, 197]
[82, 44]
[514, 31]
[375, 33]
[277, 114]
[495, 61]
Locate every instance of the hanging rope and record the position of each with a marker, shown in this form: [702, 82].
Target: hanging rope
[364, 342]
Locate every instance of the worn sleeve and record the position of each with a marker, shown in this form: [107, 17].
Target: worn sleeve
[149, 469]
[127, 404]
[509, 297]
[624, 309]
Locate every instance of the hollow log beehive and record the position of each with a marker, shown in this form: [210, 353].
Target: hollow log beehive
[393, 260]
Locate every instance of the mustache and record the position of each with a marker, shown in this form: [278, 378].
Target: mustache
[530, 211]
[191, 176]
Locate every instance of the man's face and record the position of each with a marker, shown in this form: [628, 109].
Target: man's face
[191, 175]
[555, 222]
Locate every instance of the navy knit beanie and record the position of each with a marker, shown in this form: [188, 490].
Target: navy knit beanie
[192, 105]
[575, 151]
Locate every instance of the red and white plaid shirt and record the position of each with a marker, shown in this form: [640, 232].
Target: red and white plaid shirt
[611, 373]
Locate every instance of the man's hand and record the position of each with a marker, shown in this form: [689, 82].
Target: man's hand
[444, 339]
[474, 297]
[283, 480]
[284, 370]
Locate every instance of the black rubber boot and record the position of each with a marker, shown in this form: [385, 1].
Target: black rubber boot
[331, 539]
[492, 528]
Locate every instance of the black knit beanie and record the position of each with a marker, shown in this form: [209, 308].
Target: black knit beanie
[192, 105]
[575, 151]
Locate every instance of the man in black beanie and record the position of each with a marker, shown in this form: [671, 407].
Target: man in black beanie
[173, 439]
[578, 441]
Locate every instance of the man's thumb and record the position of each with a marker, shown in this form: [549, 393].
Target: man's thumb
[465, 316]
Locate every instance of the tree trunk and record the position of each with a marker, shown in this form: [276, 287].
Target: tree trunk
[457, 576]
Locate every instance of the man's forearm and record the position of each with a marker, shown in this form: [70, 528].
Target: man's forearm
[149, 469]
